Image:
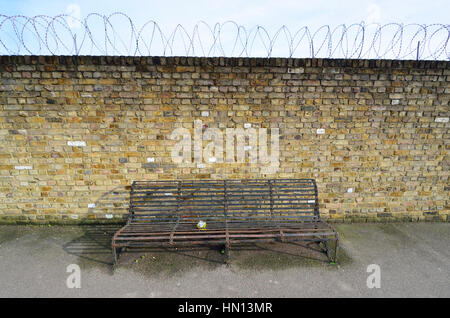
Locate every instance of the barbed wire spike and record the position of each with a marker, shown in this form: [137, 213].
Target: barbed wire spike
[99, 34]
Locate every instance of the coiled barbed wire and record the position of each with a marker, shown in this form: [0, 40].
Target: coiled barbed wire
[96, 35]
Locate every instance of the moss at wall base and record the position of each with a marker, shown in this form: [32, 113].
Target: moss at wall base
[122, 220]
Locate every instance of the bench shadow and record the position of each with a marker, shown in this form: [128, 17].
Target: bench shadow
[93, 248]
[280, 255]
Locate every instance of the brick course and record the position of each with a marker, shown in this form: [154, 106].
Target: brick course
[76, 131]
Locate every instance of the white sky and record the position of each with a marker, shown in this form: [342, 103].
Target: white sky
[271, 14]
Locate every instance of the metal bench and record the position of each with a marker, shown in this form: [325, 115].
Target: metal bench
[167, 213]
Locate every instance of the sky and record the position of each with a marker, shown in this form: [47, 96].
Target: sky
[271, 14]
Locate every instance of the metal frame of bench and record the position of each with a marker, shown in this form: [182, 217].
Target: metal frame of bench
[166, 213]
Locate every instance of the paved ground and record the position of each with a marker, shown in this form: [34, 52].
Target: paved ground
[414, 259]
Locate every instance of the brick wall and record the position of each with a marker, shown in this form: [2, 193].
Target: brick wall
[76, 131]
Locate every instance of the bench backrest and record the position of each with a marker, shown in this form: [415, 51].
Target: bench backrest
[234, 200]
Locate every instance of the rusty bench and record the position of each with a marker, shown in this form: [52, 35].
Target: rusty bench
[167, 213]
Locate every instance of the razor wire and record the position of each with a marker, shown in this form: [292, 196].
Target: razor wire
[117, 34]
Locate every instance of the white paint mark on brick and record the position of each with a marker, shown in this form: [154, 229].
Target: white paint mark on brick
[168, 193]
[212, 159]
[150, 159]
[76, 143]
[334, 71]
[247, 125]
[200, 165]
[311, 201]
[108, 216]
[23, 167]
[395, 102]
[91, 205]
[320, 131]
[247, 147]
[205, 113]
[441, 120]
[296, 70]
[350, 190]
[74, 216]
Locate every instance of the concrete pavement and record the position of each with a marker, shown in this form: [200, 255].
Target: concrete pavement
[414, 260]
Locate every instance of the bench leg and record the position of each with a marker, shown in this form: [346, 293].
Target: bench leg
[327, 250]
[227, 254]
[336, 248]
[115, 255]
[116, 252]
[332, 257]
